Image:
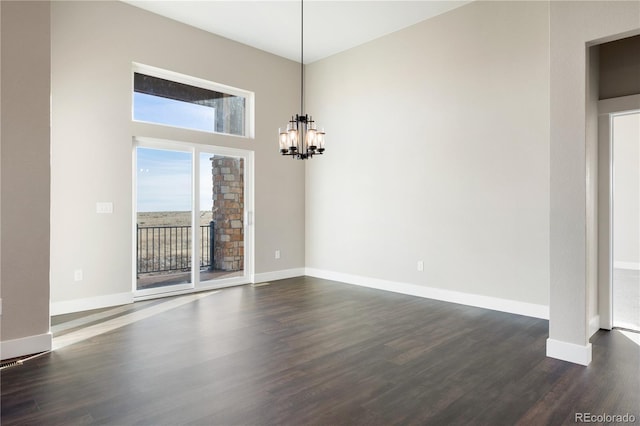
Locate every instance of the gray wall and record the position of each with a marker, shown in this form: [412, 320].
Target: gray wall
[25, 146]
[93, 46]
[438, 150]
[575, 25]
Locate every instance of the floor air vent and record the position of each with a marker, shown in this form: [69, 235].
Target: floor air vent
[14, 362]
[10, 363]
[260, 284]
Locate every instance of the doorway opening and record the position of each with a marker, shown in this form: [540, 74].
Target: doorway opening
[619, 213]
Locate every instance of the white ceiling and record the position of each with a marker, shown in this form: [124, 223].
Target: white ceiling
[274, 26]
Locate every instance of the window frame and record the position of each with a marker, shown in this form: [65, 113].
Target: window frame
[249, 122]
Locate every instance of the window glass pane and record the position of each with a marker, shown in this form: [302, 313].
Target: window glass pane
[161, 101]
[163, 205]
[154, 109]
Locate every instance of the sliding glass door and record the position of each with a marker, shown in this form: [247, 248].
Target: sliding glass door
[163, 219]
[222, 213]
[191, 210]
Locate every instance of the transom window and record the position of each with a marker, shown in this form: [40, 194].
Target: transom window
[172, 99]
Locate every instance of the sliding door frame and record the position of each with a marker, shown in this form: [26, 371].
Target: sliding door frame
[249, 235]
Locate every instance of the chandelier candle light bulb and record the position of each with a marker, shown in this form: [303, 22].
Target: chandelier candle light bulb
[320, 140]
[311, 135]
[284, 141]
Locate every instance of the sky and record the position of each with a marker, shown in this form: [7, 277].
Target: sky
[164, 176]
[156, 109]
[164, 180]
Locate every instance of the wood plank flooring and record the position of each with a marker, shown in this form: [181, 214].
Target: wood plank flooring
[308, 351]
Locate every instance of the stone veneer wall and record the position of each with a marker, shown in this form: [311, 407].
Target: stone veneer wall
[228, 212]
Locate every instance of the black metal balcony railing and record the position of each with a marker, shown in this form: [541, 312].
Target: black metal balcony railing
[168, 248]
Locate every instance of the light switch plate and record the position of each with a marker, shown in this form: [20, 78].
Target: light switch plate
[104, 207]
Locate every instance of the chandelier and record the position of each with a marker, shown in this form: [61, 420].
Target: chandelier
[301, 139]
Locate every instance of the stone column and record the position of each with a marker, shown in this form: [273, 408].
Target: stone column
[228, 212]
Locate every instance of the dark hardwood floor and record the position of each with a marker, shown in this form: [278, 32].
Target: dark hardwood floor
[310, 351]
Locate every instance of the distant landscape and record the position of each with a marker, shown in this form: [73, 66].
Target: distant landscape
[167, 250]
[171, 218]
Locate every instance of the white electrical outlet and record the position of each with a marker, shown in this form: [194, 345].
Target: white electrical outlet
[277, 254]
[104, 207]
[77, 275]
[420, 265]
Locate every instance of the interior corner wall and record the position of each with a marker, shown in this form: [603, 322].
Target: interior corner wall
[25, 180]
[574, 25]
[93, 47]
[437, 151]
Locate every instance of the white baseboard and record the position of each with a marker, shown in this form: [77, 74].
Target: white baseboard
[486, 302]
[25, 346]
[634, 266]
[86, 304]
[571, 352]
[594, 325]
[98, 302]
[278, 275]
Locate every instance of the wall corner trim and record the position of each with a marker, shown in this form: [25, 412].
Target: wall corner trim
[594, 325]
[278, 275]
[25, 346]
[565, 351]
[86, 304]
[479, 301]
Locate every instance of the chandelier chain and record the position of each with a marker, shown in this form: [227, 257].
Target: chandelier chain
[302, 56]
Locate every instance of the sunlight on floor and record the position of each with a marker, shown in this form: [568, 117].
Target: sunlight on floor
[626, 298]
[634, 337]
[107, 326]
